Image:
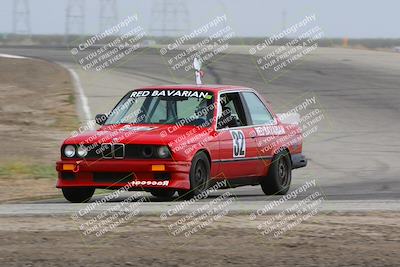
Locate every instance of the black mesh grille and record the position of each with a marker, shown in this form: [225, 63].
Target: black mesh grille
[113, 177]
[67, 175]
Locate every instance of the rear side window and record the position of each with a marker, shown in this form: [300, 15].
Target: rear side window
[259, 114]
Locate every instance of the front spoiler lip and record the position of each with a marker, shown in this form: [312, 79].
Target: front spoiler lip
[118, 165]
[179, 171]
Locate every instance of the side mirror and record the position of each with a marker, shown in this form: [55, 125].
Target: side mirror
[101, 119]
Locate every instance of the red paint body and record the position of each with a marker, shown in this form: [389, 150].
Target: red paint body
[261, 145]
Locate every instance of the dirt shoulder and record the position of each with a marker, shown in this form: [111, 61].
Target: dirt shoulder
[335, 239]
[37, 113]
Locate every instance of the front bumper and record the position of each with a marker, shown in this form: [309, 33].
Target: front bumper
[114, 173]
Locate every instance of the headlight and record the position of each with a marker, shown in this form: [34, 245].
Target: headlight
[69, 151]
[82, 151]
[147, 151]
[163, 152]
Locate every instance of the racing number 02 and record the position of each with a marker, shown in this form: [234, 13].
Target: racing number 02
[239, 143]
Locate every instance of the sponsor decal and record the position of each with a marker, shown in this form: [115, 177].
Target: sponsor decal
[171, 93]
[269, 130]
[129, 128]
[141, 183]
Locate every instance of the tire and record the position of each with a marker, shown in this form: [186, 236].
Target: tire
[279, 175]
[163, 194]
[78, 194]
[199, 176]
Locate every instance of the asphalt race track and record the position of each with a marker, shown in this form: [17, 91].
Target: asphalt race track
[354, 154]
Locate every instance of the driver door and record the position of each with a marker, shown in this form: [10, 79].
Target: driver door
[237, 143]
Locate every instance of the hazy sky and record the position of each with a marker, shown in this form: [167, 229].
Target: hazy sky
[351, 18]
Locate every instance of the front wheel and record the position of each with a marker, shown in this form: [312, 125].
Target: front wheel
[279, 175]
[199, 176]
[78, 194]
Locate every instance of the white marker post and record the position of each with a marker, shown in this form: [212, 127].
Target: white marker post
[197, 70]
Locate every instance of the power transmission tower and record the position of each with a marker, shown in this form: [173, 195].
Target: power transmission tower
[21, 18]
[169, 18]
[108, 14]
[75, 18]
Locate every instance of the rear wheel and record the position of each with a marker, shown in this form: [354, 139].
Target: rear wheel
[78, 194]
[279, 175]
[199, 176]
[163, 194]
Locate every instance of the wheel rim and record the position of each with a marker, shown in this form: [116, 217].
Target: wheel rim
[200, 175]
[283, 172]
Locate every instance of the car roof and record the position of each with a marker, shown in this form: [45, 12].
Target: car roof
[209, 87]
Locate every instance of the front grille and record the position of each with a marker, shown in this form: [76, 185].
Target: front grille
[94, 151]
[118, 151]
[162, 176]
[112, 177]
[106, 151]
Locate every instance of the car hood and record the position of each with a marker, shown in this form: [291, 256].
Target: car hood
[136, 134]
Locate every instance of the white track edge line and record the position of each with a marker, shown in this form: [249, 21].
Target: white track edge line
[78, 86]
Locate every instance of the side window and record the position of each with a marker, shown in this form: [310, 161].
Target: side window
[258, 112]
[232, 112]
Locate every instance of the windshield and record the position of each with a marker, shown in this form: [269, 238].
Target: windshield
[183, 107]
